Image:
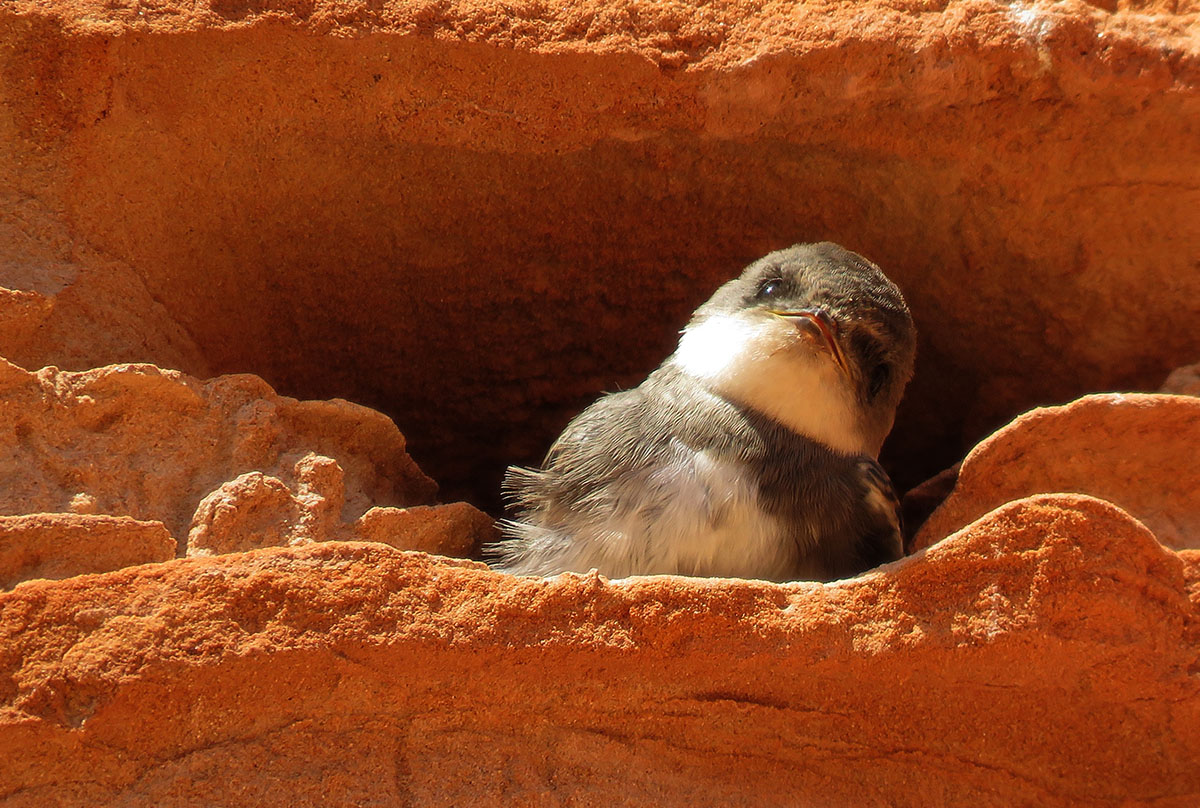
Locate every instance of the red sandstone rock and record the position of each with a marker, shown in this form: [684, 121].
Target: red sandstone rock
[476, 216]
[256, 511]
[1138, 451]
[244, 514]
[1183, 381]
[457, 529]
[1046, 655]
[59, 545]
[62, 303]
[159, 445]
[137, 440]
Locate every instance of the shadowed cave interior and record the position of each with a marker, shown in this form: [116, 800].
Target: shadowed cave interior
[480, 278]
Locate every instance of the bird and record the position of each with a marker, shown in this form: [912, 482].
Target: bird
[750, 452]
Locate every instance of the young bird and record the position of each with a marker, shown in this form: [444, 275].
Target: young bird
[750, 452]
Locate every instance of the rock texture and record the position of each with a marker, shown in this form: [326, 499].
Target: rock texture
[62, 545]
[151, 443]
[476, 216]
[1183, 381]
[457, 529]
[1138, 451]
[256, 511]
[224, 466]
[335, 673]
[61, 302]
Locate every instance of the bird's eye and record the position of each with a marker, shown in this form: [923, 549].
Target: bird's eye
[771, 288]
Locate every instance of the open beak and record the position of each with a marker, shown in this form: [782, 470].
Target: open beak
[818, 325]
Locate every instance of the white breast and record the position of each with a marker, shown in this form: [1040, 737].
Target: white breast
[696, 515]
[762, 362]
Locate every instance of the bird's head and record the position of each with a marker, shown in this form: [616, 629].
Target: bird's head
[815, 336]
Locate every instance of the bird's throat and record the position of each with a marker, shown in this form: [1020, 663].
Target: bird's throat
[763, 364]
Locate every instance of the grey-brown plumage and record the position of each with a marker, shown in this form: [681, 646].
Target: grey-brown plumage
[750, 452]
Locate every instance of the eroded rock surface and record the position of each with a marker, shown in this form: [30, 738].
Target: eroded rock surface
[456, 529]
[1053, 639]
[1183, 381]
[247, 513]
[476, 217]
[61, 302]
[256, 511]
[62, 545]
[156, 445]
[1138, 451]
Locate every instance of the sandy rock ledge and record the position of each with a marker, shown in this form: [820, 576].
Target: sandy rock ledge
[1138, 451]
[1051, 640]
[61, 545]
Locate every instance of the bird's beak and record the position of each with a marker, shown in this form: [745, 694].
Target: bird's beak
[819, 325]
